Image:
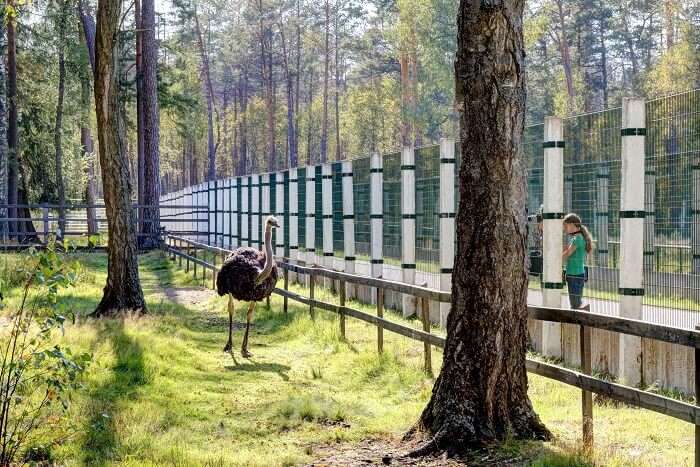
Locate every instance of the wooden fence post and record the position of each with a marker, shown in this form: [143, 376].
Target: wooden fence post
[380, 314]
[179, 257]
[45, 216]
[312, 281]
[425, 318]
[341, 293]
[586, 396]
[187, 260]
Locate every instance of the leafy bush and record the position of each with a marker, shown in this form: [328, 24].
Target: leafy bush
[36, 375]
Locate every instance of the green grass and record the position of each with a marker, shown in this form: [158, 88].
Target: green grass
[161, 392]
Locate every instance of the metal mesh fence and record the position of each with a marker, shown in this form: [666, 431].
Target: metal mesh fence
[301, 190]
[392, 209]
[360, 189]
[427, 211]
[338, 231]
[318, 210]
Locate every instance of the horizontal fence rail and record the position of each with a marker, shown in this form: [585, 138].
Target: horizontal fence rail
[680, 410]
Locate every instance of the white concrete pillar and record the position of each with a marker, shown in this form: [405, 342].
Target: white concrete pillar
[552, 215]
[293, 218]
[602, 214]
[408, 226]
[245, 192]
[219, 212]
[311, 216]
[235, 218]
[376, 215]
[447, 221]
[695, 209]
[327, 212]
[279, 213]
[632, 216]
[348, 223]
[265, 208]
[226, 213]
[649, 219]
[255, 211]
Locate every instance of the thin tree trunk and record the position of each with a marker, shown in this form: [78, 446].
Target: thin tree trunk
[140, 130]
[122, 293]
[87, 147]
[324, 122]
[309, 130]
[566, 58]
[3, 135]
[297, 86]
[291, 119]
[481, 393]
[337, 86]
[58, 128]
[243, 131]
[12, 149]
[604, 65]
[271, 114]
[151, 124]
[211, 107]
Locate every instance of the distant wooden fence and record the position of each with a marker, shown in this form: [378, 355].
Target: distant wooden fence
[185, 249]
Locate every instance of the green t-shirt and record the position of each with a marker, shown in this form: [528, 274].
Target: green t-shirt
[575, 264]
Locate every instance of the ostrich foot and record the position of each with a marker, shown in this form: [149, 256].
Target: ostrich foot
[246, 354]
[228, 347]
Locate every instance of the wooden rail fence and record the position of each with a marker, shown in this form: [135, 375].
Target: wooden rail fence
[185, 249]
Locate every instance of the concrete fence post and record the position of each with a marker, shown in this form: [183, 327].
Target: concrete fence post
[649, 218]
[279, 213]
[265, 205]
[235, 218]
[310, 216]
[632, 216]
[552, 215]
[602, 214]
[408, 226]
[219, 213]
[245, 192]
[348, 223]
[293, 219]
[376, 215]
[327, 211]
[695, 207]
[447, 221]
[255, 211]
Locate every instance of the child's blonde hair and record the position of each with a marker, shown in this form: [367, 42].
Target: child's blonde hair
[576, 220]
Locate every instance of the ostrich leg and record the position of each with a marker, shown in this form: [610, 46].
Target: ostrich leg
[229, 344]
[249, 317]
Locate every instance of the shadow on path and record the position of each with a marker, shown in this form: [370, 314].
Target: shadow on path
[255, 367]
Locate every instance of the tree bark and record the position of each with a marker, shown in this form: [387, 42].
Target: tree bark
[566, 57]
[243, 130]
[337, 84]
[481, 393]
[12, 141]
[3, 135]
[58, 128]
[122, 293]
[87, 147]
[140, 131]
[292, 160]
[151, 126]
[324, 122]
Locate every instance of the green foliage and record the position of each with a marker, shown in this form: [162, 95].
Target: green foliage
[37, 376]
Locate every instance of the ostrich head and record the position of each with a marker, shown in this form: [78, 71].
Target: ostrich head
[271, 222]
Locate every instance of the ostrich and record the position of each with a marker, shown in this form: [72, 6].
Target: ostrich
[248, 275]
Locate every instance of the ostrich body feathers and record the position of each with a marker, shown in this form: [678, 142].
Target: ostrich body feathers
[239, 272]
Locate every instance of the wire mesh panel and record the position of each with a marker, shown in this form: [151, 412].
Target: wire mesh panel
[534, 158]
[428, 210]
[361, 189]
[301, 190]
[338, 231]
[318, 212]
[286, 214]
[392, 209]
[273, 204]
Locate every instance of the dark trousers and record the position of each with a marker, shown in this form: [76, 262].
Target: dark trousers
[575, 285]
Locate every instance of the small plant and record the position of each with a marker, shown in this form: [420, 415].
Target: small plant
[316, 372]
[36, 375]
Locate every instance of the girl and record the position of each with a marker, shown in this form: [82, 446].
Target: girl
[574, 256]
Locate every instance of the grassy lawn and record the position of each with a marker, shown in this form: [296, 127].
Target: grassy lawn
[161, 392]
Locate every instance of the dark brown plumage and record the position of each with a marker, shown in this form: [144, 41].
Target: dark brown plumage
[239, 272]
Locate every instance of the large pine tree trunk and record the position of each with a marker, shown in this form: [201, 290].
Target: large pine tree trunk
[58, 128]
[151, 136]
[12, 149]
[122, 293]
[140, 123]
[481, 393]
[3, 135]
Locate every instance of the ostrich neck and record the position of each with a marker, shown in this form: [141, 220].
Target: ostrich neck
[269, 259]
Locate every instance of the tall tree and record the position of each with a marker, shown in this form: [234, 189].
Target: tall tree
[151, 124]
[3, 131]
[140, 123]
[12, 149]
[326, 60]
[58, 128]
[481, 393]
[122, 293]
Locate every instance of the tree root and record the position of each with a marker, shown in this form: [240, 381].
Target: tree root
[431, 446]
